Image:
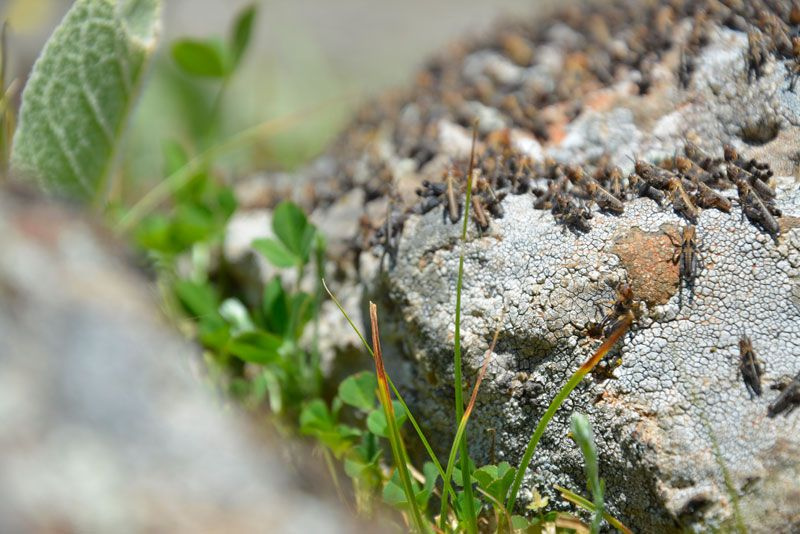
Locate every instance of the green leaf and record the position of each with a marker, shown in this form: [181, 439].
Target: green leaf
[376, 420]
[198, 57]
[395, 495]
[242, 30]
[393, 492]
[192, 224]
[154, 233]
[199, 299]
[292, 228]
[315, 417]
[519, 522]
[80, 93]
[276, 253]
[495, 479]
[316, 420]
[275, 307]
[213, 332]
[226, 202]
[256, 347]
[364, 459]
[358, 390]
[461, 503]
[582, 432]
[431, 473]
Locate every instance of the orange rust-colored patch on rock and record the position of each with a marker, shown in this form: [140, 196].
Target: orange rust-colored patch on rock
[647, 258]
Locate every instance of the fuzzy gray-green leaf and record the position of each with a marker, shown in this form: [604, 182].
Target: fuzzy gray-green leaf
[80, 93]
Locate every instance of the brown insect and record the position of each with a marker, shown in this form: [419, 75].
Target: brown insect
[615, 186]
[695, 173]
[757, 54]
[452, 203]
[704, 160]
[686, 254]
[705, 197]
[431, 194]
[681, 201]
[546, 198]
[778, 38]
[602, 197]
[749, 366]
[623, 307]
[755, 171]
[759, 170]
[756, 210]
[788, 400]
[479, 212]
[643, 189]
[763, 189]
[571, 213]
[654, 176]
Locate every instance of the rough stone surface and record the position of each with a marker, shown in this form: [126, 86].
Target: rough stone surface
[676, 416]
[104, 423]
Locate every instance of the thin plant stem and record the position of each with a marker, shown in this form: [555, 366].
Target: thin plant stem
[589, 506]
[396, 442]
[556, 403]
[472, 526]
[462, 425]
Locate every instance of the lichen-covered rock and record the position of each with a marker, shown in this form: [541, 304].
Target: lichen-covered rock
[103, 427]
[682, 443]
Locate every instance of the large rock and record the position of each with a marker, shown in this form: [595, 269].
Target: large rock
[105, 425]
[682, 443]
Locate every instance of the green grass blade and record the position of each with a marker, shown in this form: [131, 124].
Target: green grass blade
[462, 425]
[472, 526]
[556, 403]
[587, 505]
[583, 435]
[395, 440]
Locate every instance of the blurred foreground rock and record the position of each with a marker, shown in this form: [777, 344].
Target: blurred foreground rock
[682, 444]
[104, 423]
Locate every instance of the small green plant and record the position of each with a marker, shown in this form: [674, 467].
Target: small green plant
[215, 59]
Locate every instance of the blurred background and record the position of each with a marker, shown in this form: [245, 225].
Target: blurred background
[303, 53]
